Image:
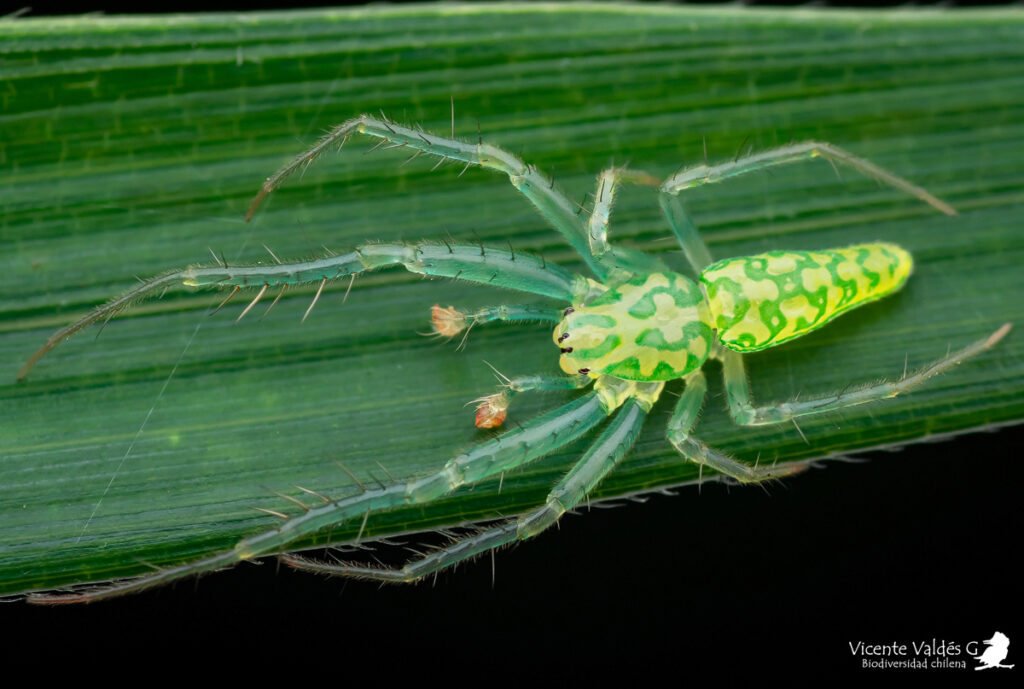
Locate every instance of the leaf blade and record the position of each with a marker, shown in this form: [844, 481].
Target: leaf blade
[107, 186]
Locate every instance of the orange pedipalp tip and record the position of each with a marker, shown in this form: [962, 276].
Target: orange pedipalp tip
[447, 322]
[489, 418]
[492, 411]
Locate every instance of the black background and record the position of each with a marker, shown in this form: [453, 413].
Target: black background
[772, 584]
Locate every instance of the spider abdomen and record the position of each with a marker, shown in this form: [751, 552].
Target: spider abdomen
[652, 327]
[760, 301]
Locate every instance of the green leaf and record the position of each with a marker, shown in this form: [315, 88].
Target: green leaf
[133, 145]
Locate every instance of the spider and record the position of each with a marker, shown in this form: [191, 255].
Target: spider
[624, 333]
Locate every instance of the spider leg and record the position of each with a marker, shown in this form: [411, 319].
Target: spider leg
[792, 153]
[508, 451]
[538, 189]
[744, 412]
[684, 418]
[623, 260]
[602, 457]
[498, 267]
[695, 249]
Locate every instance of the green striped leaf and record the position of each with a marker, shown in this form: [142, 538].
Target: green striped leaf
[133, 145]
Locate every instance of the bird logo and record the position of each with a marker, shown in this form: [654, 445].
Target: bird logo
[995, 654]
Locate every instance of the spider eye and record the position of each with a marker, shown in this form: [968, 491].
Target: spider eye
[566, 350]
[584, 371]
[568, 311]
[563, 336]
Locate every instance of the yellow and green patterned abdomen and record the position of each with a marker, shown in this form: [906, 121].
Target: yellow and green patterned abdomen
[760, 301]
[652, 327]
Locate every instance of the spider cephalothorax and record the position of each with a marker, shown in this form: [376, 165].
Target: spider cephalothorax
[652, 326]
[627, 332]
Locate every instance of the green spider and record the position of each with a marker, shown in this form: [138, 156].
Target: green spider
[627, 333]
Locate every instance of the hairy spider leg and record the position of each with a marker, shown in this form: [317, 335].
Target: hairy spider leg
[597, 226]
[686, 232]
[604, 197]
[599, 461]
[792, 153]
[512, 449]
[497, 267]
[474, 263]
[741, 407]
[694, 248]
[625, 262]
[684, 418]
[540, 190]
